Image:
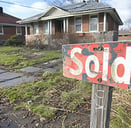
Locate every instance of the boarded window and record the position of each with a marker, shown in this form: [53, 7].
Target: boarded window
[36, 29]
[18, 30]
[93, 23]
[78, 24]
[46, 27]
[1, 30]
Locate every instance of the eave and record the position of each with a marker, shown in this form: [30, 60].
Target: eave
[7, 24]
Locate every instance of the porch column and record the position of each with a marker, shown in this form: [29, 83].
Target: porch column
[26, 30]
[50, 27]
[67, 25]
[48, 22]
[104, 24]
[64, 25]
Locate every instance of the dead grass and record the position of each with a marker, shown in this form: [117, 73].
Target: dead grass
[121, 109]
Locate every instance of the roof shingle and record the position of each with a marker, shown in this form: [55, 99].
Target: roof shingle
[86, 6]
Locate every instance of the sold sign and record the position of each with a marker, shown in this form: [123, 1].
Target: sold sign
[102, 63]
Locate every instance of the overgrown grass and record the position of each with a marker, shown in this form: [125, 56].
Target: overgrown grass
[19, 57]
[36, 96]
[47, 56]
[10, 60]
[121, 109]
[76, 97]
[9, 49]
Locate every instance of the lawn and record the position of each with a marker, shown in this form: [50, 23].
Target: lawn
[53, 95]
[19, 57]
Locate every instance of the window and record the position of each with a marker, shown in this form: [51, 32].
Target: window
[93, 23]
[36, 29]
[1, 30]
[78, 24]
[18, 30]
[46, 27]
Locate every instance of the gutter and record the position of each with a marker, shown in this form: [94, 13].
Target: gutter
[6, 24]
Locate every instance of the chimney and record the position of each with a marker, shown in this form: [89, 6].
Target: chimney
[1, 11]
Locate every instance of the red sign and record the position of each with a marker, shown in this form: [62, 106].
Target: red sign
[102, 63]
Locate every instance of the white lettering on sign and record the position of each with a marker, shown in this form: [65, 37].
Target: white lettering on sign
[128, 66]
[114, 67]
[105, 64]
[126, 63]
[116, 63]
[90, 59]
[77, 61]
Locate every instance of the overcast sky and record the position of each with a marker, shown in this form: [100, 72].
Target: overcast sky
[123, 7]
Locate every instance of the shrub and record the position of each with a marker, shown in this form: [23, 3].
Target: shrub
[14, 41]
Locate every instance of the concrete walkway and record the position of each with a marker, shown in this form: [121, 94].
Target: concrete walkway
[8, 79]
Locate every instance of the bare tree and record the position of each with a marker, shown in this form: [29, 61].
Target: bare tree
[127, 24]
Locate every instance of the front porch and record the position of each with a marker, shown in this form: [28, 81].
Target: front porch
[56, 41]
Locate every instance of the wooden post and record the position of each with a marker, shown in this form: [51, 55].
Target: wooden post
[101, 106]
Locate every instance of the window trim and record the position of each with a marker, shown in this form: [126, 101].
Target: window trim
[97, 23]
[35, 24]
[46, 33]
[2, 30]
[75, 24]
[17, 30]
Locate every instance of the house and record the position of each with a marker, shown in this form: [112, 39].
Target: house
[124, 35]
[9, 27]
[75, 23]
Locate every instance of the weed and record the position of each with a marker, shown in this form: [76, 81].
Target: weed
[42, 110]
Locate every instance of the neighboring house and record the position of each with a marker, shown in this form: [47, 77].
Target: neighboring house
[9, 27]
[82, 22]
[124, 35]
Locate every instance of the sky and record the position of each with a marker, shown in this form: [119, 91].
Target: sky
[123, 7]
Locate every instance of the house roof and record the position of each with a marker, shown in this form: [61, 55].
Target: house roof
[31, 19]
[85, 6]
[74, 10]
[8, 19]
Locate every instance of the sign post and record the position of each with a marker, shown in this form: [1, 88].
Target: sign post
[100, 106]
[102, 64]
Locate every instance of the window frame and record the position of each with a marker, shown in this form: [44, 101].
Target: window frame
[78, 24]
[17, 30]
[46, 22]
[2, 33]
[97, 23]
[36, 31]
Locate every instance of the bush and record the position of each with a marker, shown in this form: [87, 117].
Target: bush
[13, 41]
